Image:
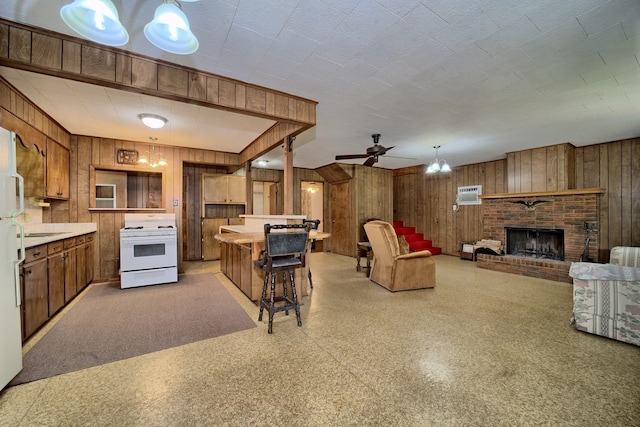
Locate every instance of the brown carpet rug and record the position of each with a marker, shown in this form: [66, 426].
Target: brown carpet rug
[109, 324]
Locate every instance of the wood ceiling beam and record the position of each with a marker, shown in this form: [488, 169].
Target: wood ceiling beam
[46, 52]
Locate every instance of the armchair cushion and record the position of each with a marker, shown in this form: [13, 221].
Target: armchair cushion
[393, 270]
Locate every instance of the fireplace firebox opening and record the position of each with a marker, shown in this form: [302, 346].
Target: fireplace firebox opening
[542, 243]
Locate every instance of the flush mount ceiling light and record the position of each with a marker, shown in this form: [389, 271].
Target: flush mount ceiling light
[438, 165]
[153, 120]
[262, 163]
[96, 20]
[170, 30]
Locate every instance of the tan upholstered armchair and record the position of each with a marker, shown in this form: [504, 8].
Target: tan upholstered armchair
[393, 270]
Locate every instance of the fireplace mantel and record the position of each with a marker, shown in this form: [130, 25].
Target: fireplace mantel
[544, 193]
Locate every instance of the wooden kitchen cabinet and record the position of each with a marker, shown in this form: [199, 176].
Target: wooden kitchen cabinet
[89, 251]
[62, 273]
[51, 276]
[57, 171]
[84, 261]
[55, 274]
[223, 189]
[211, 246]
[35, 290]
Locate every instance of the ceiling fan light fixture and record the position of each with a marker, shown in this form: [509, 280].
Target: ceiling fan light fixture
[153, 121]
[169, 30]
[95, 20]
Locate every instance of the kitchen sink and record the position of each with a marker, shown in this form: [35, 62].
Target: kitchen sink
[43, 234]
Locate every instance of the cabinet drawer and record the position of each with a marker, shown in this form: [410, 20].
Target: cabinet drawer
[80, 240]
[55, 247]
[89, 237]
[35, 253]
[69, 243]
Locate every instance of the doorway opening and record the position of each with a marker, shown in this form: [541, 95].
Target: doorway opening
[265, 198]
[312, 200]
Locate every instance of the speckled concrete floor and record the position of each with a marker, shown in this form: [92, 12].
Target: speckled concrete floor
[483, 348]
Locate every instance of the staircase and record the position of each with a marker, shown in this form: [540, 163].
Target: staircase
[416, 240]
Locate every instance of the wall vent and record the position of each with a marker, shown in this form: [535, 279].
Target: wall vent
[469, 195]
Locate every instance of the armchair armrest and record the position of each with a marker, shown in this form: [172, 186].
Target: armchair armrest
[592, 271]
[418, 254]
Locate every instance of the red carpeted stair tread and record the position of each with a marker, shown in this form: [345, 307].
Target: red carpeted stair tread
[416, 240]
[403, 231]
[414, 237]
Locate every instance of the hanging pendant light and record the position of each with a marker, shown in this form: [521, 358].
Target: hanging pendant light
[438, 165]
[149, 157]
[96, 20]
[170, 30]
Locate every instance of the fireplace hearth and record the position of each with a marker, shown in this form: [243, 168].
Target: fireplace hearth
[540, 243]
[565, 211]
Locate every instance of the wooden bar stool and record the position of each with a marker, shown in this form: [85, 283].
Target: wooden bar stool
[314, 223]
[285, 251]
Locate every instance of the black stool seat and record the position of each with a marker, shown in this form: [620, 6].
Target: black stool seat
[284, 252]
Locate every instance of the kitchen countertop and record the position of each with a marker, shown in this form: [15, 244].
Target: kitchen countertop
[234, 235]
[62, 230]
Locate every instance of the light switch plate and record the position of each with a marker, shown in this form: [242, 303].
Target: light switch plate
[175, 202]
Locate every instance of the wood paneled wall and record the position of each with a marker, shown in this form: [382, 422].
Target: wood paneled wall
[85, 151]
[426, 201]
[542, 169]
[192, 208]
[373, 197]
[614, 166]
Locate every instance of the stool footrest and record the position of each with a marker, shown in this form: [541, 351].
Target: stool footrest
[290, 304]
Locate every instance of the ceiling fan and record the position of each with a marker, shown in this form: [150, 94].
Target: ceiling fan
[372, 154]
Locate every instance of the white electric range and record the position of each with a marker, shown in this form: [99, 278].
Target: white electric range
[148, 250]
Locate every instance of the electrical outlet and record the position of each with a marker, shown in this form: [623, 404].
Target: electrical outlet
[175, 202]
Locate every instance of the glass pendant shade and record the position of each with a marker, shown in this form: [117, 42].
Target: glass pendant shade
[95, 20]
[170, 30]
[438, 165]
[150, 157]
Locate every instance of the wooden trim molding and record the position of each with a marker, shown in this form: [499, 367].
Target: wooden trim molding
[544, 193]
[47, 52]
[32, 48]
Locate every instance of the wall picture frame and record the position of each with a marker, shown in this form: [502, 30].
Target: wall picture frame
[127, 157]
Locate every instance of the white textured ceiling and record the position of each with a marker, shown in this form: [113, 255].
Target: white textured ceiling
[479, 77]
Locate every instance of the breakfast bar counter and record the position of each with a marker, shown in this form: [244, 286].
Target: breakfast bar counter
[240, 246]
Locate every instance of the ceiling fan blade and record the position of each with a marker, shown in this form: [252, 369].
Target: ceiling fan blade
[352, 156]
[384, 150]
[370, 161]
[399, 157]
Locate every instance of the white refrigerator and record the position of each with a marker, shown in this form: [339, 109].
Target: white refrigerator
[11, 205]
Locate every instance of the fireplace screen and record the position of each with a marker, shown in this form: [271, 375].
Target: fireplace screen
[536, 243]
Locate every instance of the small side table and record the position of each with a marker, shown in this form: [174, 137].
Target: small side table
[363, 249]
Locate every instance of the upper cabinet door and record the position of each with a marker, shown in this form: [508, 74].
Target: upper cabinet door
[57, 171]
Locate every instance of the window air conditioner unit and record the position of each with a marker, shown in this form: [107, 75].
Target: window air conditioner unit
[469, 195]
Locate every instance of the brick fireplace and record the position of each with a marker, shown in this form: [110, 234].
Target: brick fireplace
[566, 210]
